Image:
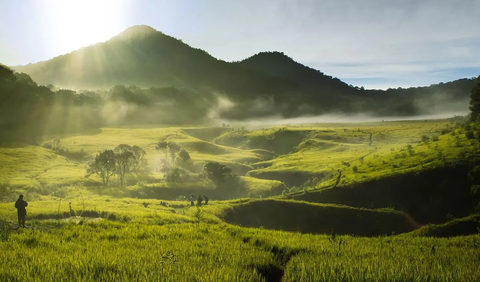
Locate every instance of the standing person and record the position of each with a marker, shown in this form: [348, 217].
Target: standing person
[199, 200]
[191, 201]
[21, 204]
[206, 199]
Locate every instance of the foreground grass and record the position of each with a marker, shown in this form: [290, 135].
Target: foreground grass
[109, 251]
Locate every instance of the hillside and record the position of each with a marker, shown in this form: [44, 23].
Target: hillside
[266, 84]
[397, 168]
[304, 217]
[332, 92]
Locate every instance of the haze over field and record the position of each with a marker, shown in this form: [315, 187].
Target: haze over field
[137, 76]
[239, 140]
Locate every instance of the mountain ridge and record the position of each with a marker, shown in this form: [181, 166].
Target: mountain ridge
[260, 84]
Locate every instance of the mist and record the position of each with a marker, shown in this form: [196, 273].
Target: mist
[255, 124]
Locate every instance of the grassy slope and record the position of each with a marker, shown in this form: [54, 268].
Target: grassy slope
[318, 218]
[33, 166]
[455, 227]
[317, 151]
[263, 187]
[30, 167]
[269, 213]
[200, 150]
[149, 246]
[329, 149]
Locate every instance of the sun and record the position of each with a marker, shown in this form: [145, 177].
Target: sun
[76, 23]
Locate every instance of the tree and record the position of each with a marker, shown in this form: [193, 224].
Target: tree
[173, 149]
[183, 155]
[128, 160]
[230, 185]
[104, 166]
[475, 101]
[163, 146]
[217, 172]
[169, 148]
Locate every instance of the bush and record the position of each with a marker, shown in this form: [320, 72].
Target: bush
[425, 138]
[178, 174]
[470, 134]
[355, 169]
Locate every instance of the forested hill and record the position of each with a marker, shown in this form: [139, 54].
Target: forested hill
[280, 65]
[263, 85]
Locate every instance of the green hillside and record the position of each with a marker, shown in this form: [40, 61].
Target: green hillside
[315, 218]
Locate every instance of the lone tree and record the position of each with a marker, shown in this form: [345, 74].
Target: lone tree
[475, 101]
[128, 160]
[104, 166]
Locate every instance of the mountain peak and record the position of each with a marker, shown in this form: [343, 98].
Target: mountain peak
[137, 31]
[269, 55]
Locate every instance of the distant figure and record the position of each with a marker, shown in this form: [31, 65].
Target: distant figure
[206, 199]
[21, 205]
[191, 201]
[199, 201]
[72, 212]
[162, 203]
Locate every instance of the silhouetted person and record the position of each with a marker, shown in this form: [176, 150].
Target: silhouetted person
[72, 212]
[206, 199]
[21, 205]
[191, 201]
[199, 201]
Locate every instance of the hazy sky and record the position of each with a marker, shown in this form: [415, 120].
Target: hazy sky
[374, 43]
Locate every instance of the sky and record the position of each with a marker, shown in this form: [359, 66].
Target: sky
[371, 43]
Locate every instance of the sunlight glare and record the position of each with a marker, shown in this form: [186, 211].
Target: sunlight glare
[79, 23]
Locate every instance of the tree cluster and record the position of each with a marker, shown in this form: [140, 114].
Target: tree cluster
[175, 161]
[121, 161]
[224, 179]
[475, 101]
